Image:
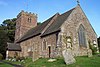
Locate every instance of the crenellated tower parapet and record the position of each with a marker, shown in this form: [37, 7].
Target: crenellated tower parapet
[25, 21]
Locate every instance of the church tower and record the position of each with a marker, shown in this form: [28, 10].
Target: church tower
[25, 21]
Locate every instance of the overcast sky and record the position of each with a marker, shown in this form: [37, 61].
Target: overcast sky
[46, 8]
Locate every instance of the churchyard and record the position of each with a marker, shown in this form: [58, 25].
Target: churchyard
[63, 40]
[82, 61]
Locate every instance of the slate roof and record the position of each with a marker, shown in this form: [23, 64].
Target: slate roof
[13, 47]
[36, 30]
[54, 27]
[58, 22]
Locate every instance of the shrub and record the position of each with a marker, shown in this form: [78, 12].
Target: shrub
[1, 56]
[93, 48]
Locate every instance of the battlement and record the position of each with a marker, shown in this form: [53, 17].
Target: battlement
[27, 14]
[25, 21]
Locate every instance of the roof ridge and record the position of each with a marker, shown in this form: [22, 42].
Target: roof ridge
[68, 10]
[52, 20]
[36, 30]
[58, 22]
[44, 28]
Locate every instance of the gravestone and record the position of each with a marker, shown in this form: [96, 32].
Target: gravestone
[67, 52]
[68, 57]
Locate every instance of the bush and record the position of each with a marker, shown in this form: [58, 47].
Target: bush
[1, 56]
[93, 48]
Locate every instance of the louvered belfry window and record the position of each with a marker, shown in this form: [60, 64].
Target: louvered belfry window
[29, 20]
[81, 36]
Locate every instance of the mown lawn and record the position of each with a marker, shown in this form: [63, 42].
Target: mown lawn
[80, 62]
[5, 65]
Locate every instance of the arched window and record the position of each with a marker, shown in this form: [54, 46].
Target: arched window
[44, 44]
[81, 36]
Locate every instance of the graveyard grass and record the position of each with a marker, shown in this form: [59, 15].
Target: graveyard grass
[5, 65]
[83, 61]
[80, 62]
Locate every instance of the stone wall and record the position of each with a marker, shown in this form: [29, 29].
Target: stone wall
[11, 54]
[31, 45]
[36, 44]
[50, 42]
[71, 27]
[25, 21]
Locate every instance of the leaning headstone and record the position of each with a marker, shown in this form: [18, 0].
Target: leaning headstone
[68, 57]
[90, 53]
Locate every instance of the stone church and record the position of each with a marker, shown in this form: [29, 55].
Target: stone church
[48, 40]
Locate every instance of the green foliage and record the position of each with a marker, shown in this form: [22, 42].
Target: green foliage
[7, 33]
[3, 41]
[9, 27]
[39, 23]
[99, 43]
[93, 48]
[1, 56]
[5, 65]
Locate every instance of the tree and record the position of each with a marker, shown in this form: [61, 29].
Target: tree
[3, 41]
[9, 26]
[99, 43]
[39, 23]
[7, 34]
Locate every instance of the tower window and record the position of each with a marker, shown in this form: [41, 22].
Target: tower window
[29, 20]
